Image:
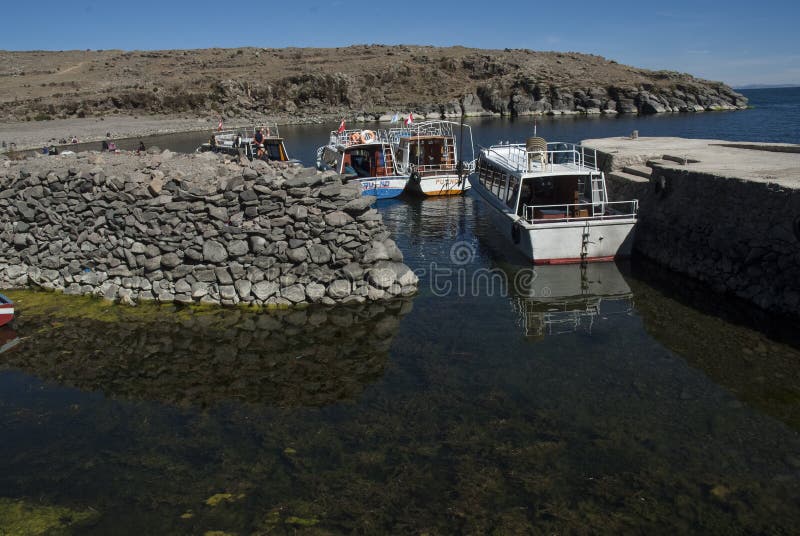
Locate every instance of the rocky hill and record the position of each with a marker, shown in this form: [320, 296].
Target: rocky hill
[370, 80]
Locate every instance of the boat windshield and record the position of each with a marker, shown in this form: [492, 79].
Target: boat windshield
[365, 161]
[560, 190]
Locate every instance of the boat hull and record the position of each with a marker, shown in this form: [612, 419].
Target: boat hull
[589, 240]
[438, 185]
[383, 187]
[6, 310]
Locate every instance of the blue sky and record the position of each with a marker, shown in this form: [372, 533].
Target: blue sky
[736, 42]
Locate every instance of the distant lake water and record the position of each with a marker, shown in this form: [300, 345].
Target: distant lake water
[619, 399]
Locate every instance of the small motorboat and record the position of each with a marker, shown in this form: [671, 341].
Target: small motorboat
[257, 142]
[6, 310]
[364, 156]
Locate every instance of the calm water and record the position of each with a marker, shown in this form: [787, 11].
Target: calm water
[621, 399]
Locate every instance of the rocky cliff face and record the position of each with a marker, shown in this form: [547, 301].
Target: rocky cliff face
[193, 228]
[367, 81]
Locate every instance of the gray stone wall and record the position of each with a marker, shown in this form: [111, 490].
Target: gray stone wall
[741, 237]
[193, 228]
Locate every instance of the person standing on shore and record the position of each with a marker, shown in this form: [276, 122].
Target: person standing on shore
[141, 148]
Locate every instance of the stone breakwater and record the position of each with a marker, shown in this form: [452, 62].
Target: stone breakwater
[724, 213]
[193, 229]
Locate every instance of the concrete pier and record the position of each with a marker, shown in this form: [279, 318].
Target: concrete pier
[723, 212]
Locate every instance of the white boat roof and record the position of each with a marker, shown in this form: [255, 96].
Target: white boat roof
[561, 159]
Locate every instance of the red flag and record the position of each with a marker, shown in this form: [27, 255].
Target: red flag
[410, 119]
[341, 127]
[219, 126]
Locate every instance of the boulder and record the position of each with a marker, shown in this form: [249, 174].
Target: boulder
[214, 252]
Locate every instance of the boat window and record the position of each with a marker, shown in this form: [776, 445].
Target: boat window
[511, 193]
[273, 150]
[368, 162]
[525, 197]
[498, 188]
[492, 179]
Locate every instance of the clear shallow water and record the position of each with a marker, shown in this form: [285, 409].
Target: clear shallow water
[619, 400]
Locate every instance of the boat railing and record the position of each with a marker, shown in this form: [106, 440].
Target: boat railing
[518, 158]
[567, 212]
[347, 138]
[469, 167]
[426, 128]
[246, 134]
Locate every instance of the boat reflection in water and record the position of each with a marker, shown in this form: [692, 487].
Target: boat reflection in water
[8, 339]
[187, 357]
[569, 298]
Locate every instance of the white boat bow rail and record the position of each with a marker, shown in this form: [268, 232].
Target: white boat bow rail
[227, 137]
[611, 210]
[558, 158]
[427, 128]
[350, 137]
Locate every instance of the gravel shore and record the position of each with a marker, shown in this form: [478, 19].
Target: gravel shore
[36, 134]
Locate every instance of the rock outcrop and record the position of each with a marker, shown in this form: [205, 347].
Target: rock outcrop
[193, 228]
[362, 82]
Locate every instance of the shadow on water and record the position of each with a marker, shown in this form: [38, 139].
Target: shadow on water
[200, 357]
[753, 354]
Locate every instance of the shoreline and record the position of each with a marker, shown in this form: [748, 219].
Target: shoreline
[33, 135]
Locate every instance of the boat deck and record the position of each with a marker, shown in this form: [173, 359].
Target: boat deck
[560, 159]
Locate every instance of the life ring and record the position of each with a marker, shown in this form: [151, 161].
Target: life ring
[355, 137]
[368, 136]
[516, 232]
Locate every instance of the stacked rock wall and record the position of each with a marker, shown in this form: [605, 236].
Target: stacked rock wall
[193, 228]
[741, 237]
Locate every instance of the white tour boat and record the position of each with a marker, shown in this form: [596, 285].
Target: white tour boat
[365, 156]
[262, 142]
[550, 200]
[428, 153]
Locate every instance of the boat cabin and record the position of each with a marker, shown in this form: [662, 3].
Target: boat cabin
[358, 154]
[557, 183]
[429, 147]
[262, 142]
[427, 155]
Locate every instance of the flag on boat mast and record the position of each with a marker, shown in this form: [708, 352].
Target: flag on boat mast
[410, 119]
[395, 118]
[341, 127]
[219, 126]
